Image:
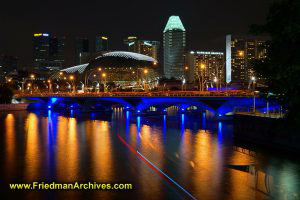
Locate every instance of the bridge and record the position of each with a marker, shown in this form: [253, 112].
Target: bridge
[218, 102]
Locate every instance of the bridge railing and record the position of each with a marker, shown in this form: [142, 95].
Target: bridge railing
[234, 93]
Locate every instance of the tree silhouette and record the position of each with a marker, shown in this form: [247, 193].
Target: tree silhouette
[281, 68]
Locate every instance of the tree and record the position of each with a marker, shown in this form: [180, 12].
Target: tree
[281, 67]
[6, 93]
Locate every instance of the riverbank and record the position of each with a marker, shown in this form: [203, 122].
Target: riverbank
[273, 133]
[13, 107]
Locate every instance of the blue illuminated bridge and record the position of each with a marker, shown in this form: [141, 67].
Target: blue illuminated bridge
[220, 103]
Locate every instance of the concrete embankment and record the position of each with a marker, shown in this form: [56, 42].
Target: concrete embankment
[267, 132]
[12, 107]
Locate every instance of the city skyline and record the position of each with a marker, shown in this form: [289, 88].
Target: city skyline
[116, 27]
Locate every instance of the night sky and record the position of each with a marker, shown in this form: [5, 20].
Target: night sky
[207, 22]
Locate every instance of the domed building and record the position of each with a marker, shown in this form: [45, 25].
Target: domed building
[121, 67]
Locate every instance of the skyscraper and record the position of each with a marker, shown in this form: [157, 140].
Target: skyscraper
[132, 43]
[174, 47]
[241, 51]
[82, 50]
[48, 52]
[149, 48]
[101, 44]
[146, 47]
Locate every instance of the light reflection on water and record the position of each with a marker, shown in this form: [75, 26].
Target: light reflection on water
[193, 151]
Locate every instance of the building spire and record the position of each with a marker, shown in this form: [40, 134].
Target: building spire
[174, 23]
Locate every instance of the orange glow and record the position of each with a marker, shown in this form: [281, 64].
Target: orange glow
[101, 150]
[146, 71]
[151, 147]
[10, 142]
[67, 145]
[32, 153]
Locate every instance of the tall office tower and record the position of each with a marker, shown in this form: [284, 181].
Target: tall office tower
[149, 48]
[207, 64]
[146, 47]
[48, 52]
[241, 51]
[174, 48]
[132, 43]
[101, 44]
[82, 50]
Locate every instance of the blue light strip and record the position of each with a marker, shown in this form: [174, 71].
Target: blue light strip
[167, 176]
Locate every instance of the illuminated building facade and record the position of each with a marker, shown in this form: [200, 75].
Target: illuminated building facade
[118, 66]
[208, 64]
[101, 44]
[82, 51]
[48, 52]
[132, 43]
[240, 53]
[145, 47]
[174, 48]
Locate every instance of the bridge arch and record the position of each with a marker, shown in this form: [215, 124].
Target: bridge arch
[162, 103]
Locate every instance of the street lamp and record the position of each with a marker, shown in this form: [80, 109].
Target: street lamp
[145, 72]
[202, 67]
[216, 80]
[49, 81]
[241, 53]
[104, 77]
[183, 82]
[72, 81]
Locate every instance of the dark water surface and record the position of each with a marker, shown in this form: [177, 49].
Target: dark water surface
[163, 157]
